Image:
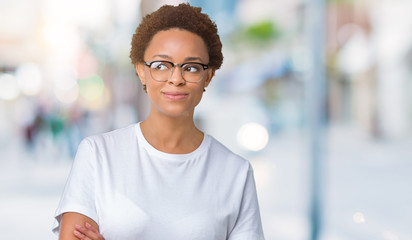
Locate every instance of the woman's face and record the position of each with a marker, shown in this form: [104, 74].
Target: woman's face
[175, 97]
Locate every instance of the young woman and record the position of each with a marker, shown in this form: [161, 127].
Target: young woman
[163, 178]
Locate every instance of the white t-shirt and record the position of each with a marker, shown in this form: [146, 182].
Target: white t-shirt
[134, 191]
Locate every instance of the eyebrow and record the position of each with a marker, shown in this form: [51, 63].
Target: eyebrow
[170, 58]
[193, 58]
[162, 56]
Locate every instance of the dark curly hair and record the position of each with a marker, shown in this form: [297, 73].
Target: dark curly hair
[184, 17]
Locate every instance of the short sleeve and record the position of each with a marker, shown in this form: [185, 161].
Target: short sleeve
[79, 191]
[248, 225]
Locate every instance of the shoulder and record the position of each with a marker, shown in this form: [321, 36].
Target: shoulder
[225, 156]
[116, 137]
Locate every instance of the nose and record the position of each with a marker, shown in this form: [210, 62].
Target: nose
[177, 77]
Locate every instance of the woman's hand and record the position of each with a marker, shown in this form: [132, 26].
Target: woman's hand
[87, 233]
[88, 229]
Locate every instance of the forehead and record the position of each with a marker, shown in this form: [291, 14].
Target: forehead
[177, 44]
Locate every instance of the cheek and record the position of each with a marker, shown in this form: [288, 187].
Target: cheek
[152, 94]
[152, 89]
[198, 96]
[153, 85]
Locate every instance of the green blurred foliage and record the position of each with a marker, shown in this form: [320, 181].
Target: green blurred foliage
[258, 34]
[262, 31]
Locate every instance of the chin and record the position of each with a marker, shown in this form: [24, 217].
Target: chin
[177, 112]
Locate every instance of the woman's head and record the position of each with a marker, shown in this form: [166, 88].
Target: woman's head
[183, 17]
[173, 83]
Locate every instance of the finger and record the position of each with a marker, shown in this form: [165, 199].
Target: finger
[80, 235]
[90, 227]
[93, 229]
[87, 233]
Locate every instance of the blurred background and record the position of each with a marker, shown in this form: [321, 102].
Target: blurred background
[326, 124]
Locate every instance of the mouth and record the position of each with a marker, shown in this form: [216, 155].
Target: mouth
[175, 96]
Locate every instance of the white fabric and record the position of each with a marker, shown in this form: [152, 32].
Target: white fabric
[133, 191]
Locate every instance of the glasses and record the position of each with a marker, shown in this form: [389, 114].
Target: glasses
[161, 71]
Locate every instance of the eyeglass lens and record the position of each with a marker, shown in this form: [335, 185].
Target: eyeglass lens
[162, 71]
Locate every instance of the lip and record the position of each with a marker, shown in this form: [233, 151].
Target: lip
[175, 96]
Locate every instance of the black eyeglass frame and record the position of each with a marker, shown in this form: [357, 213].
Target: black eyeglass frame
[174, 65]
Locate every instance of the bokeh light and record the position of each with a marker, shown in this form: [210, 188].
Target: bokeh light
[93, 94]
[64, 77]
[67, 95]
[29, 79]
[358, 217]
[91, 88]
[9, 89]
[253, 136]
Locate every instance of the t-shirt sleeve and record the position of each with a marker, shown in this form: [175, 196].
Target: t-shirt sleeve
[79, 191]
[248, 225]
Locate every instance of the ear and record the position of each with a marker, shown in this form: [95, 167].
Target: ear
[210, 75]
[141, 72]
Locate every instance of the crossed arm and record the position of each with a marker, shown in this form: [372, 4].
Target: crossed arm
[75, 226]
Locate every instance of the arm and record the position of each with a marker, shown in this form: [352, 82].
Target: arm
[76, 226]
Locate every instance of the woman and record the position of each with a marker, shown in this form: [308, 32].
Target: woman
[163, 178]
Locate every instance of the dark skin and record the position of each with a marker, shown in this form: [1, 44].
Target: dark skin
[76, 226]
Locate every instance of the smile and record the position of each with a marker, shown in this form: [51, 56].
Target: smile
[175, 96]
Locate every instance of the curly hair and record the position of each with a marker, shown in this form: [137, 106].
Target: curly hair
[184, 17]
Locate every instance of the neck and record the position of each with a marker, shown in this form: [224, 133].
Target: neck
[168, 134]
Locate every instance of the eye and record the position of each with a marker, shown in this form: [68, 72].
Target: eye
[192, 68]
[160, 66]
